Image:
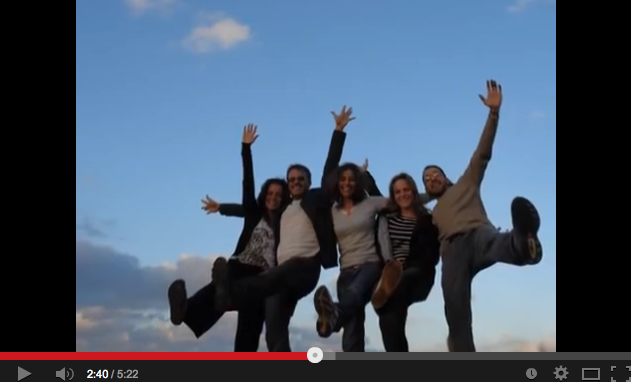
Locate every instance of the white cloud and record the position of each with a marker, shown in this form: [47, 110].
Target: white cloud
[217, 32]
[141, 6]
[521, 5]
[121, 305]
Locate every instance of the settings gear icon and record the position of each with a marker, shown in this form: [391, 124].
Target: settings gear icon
[560, 373]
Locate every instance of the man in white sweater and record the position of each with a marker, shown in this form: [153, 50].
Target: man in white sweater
[305, 242]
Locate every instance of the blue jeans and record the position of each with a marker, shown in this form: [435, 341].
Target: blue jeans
[462, 258]
[354, 290]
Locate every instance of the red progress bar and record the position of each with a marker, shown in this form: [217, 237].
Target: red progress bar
[151, 356]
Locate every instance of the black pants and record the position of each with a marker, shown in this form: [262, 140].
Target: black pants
[463, 257]
[354, 289]
[415, 286]
[200, 315]
[280, 288]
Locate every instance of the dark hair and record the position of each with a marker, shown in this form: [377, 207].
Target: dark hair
[332, 184]
[419, 207]
[285, 198]
[303, 168]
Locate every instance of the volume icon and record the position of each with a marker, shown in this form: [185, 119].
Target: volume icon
[64, 374]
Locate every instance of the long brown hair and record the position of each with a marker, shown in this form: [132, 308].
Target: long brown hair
[419, 208]
[332, 184]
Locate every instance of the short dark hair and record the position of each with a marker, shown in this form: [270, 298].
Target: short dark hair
[332, 187]
[303, 168]
[285, 198]
[392, 205]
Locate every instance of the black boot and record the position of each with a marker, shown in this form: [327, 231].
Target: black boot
[177, 301]
[526, 224]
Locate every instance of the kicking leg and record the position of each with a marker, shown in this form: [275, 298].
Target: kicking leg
[197, 311]
[246, 291]
[354, 288]
[521, 246]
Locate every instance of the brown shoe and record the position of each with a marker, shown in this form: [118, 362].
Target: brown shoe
[390, 279]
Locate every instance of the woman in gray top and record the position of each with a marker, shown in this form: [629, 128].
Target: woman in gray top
[354, 215]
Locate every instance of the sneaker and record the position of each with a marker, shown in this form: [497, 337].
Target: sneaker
[177, 301]
[222, 287]
[526, 224]
[388, 282]
[327, 312]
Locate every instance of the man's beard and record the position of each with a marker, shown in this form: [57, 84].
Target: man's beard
[436, 195]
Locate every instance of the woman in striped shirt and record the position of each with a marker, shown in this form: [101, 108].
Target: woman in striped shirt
[407, 235]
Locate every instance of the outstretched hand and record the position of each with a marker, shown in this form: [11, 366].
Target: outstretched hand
[493, 98]
[209, 205]
[342, 119]
[249, 133]
[364, 167]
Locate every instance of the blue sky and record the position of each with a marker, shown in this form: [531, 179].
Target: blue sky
[164, 87]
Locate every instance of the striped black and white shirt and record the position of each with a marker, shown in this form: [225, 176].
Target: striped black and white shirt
[400, 230]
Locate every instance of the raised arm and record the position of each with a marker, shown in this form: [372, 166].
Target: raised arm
[249, 137]
[227, 209]
[337, 143]
[482, 155]
[368, 182]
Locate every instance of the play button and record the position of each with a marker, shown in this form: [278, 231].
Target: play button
[22, 373]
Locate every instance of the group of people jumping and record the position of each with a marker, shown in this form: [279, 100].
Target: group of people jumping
[389, 248]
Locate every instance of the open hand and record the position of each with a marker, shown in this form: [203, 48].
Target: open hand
[364, 167]
[209, 205]
[249, 133]
[493, 98]
[342, 119]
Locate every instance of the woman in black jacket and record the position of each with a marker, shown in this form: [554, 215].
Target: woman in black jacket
[255, 253]
[408, 241]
